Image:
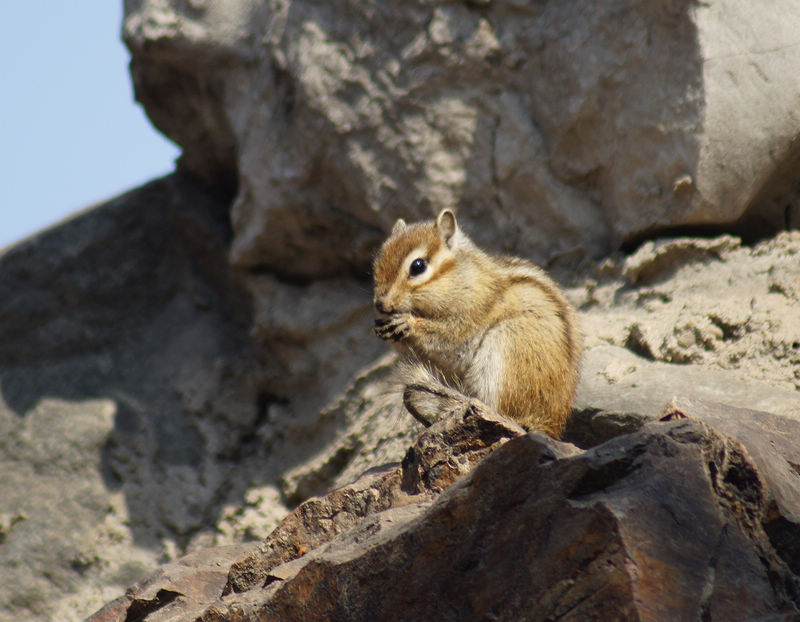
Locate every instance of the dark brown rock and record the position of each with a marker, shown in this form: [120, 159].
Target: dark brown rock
[662, 524]
[316, 522]
[671, 522]
[448, 449]
[453, 446]
[589, 426]
[772, 444]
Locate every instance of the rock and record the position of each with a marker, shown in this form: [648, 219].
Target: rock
[452, 446]
[174, 51]
[559, 132]
[123, 351]
[316, 522]
[60, 523]
[581, 536]
[195, 580]
[449, 448]
[136, 387]
[130, 307]
[592, 425]
[706, 304]
[669, 522]
[771, 443]
[638, 393]
[316, 336]
[173, 403]
[657, 260]
[362, 428]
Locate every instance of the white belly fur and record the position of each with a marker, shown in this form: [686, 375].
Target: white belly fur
[486, 371]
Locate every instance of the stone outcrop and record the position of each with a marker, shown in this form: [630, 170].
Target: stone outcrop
[137, 416]
[703, 306]
[124, 370]
[116, 331]
[559, 130]
[676, 520]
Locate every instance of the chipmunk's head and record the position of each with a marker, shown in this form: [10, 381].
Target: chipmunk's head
[412, 260]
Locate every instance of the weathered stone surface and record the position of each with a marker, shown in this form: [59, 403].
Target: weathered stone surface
[315, 337]
[130, 310]
[658, 260]
[448, 449]
[466, 433]
[133, 393]
[560, 129]
[661, 524]
[362, 428]
[281, 452]
[133, 336]
[144, 394]
[185, 587]
[179, 52]
[60, 523]
[117, 331]
[701, 303]
[451, 447]
[674, 521]
[706, 319]
[316, 522]
[772, 444]
[618, 388]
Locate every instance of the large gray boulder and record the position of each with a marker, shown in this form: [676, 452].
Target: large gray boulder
[560, 129]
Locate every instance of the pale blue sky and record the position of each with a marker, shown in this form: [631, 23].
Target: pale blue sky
[70, 131]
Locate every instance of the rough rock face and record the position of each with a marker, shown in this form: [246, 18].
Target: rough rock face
[562, 129]
[118, 332]
[137, 420]
[191, 583]
[675, 521]
[712, 302]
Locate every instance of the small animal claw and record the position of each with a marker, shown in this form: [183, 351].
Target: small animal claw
[393, 328]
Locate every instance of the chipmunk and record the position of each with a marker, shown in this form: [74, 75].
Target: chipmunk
[494, 328]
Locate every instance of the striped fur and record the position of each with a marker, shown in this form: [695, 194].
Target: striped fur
[494, 328]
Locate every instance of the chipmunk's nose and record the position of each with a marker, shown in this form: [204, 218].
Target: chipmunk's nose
[381, 306]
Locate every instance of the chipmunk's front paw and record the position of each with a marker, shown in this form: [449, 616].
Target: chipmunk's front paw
[393, 328]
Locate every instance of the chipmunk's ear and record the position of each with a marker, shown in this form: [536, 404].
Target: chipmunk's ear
[446, 224]
[399, 226]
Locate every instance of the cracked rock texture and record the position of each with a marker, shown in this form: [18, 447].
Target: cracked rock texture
[189, 363]
[712, 303]
[674, 521]
[563, 129]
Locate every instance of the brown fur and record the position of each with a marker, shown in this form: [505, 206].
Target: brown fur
[499, 327]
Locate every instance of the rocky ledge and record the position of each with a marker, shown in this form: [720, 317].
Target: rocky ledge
[694, 515]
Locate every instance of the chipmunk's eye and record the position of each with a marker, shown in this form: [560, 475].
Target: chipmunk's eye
[417, 267]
